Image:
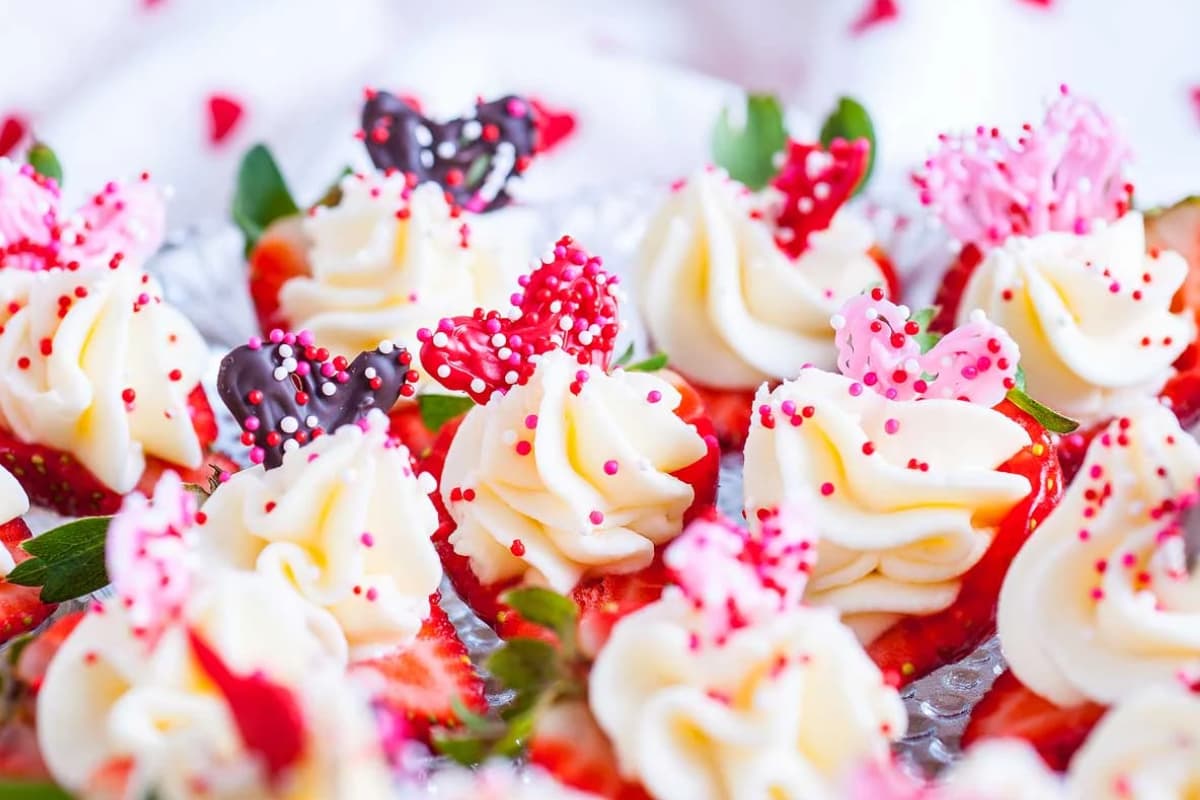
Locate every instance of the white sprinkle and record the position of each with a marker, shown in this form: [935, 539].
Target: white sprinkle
[427, 158]
[509, 437]
[904, 310]
[427, 482]
[472, 129]
[503, 353]
[440, 339]
[585, 338]
[289, 364]
[820, 190]
[288, 425]
[499, 340]
[285, 350]
[369, 373]
[477, 385]
[566, 323]
[445, 149]
[290, 445]
[978, 315]
[386, 347]
[837, 322]
[328, 388]
[280, 373]
[911, 365]
[311, 421]
[423, 136]
[556, 307]
[443, 371]
[872, 313]
[804, 205]
[510, 377]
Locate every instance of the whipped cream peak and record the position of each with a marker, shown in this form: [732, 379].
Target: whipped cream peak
[568, 302]
[877, 345]
[120, 222]
[287, 391]
[1061, 176]
[147, 554]
[1101, 599]
[735, 577]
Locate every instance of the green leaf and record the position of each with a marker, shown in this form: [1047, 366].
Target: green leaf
[45, 162]
[517, 735]
[476, 723]
[438, 409]
[1019, 378]
[262, 195]
[850, 121]
[926, 338]
[1047, 417]
[31, 790]
[625, 357]
[547, 609]
[469, 751]
[748, 153]
[71, 560]
[527, 666]
[652, 364]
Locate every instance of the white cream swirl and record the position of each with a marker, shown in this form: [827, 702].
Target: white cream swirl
[1000, 769]
[726, 303]
[1091, 313]
[346, 522]
[111, 697]
[13, 503]
[894, 536]
[73, 343]
[575, 483]
[1147, 748]
[1095, 606]
[782, 709]
[376, 276]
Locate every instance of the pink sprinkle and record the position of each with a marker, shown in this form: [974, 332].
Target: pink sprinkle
[372, 594]
[367, 539]
[596, 517]
[610, 467]
[251, 423]
[891, 426]
[856, 389]
[654, 396]
[531, 421]
[1096, 471]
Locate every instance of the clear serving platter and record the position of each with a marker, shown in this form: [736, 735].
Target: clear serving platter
[202, 272]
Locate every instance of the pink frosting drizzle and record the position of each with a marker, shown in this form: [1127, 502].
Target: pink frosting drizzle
[1061, 176]
[736, 577]
[122, 221]
[877, 346]
[147, 556]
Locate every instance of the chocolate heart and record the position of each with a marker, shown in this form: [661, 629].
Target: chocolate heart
[286, 391]
[472, 158]
[816, 182]
[568, 303]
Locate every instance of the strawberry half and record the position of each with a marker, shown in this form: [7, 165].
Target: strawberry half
[35, 657]
[1178, 228]
[954, 283]
[280, 255]
[422, 680]
[815, 182]
[569, 745]
[917, 645]
[1010, 710]
[20, 608]
[729, 411]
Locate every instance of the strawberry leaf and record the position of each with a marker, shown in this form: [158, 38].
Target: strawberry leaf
[1047, 417]
[68, 562]
[625, 357]
[526, 666]
[438, 409]
[44, 161]
[748, 153]
[31, 790]
[262, 195]
[926, 338]
[468, 751]
[850, 121]
[547, 609]
[652, 364]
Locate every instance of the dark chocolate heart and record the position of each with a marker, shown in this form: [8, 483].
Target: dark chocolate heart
[472, 158]
[287, 389]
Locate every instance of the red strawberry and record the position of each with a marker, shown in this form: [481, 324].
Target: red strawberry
[280, 255]
[1072, 449]
[422, 680]
[730, 412]
[569, 745]
[606, 600]
[56, 480]
[891, 279]
[20, 608]
[405, 424]
[20, 758]
[1009, 710]
[954, 283]
[816, 182]
[917, 645]
[1178, 228]
[36, 656]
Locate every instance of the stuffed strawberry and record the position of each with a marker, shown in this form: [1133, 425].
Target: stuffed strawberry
[570, 471]
[924, 468]
[737, 287]
[21, 609]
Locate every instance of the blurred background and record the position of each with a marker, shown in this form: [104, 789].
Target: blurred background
[183, 87]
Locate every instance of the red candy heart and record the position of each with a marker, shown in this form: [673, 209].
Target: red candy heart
[568, 304]
[816, 182]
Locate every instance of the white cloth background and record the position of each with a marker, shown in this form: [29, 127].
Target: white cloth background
[118, 86]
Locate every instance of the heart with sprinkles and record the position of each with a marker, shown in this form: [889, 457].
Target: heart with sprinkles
[568, 303]
[473, 158]
[815, 183]
[286, 391]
